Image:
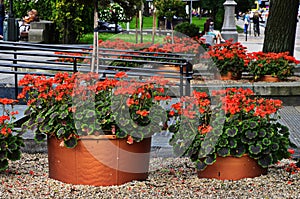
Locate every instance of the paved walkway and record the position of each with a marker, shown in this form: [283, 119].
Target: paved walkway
[255, 44]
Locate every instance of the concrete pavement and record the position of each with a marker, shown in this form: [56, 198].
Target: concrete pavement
[255, 44]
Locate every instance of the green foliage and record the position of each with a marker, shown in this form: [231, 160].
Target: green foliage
[72, 18]
[69, 20]
[170, 8]
[10, 141]
[44, 8]
[113, 13]
[188, 29]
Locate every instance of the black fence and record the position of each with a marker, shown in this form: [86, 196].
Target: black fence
[20, 58]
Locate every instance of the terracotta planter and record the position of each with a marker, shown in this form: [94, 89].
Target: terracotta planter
[99, 161]
[269, 78]
[229, 76]
[232, 168]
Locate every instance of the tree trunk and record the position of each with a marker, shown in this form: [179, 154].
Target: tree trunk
[95, 52]
[154, 27]
[280, 30]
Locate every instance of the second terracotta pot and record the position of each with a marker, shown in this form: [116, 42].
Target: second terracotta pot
[229, 76]
[232, 168]
[269, 78]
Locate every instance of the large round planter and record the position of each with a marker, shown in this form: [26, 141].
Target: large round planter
[99, 161]
[232, 168]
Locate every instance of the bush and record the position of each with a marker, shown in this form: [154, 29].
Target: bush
[188, 29]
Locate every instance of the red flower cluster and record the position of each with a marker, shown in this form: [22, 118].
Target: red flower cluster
[6, 117]
[239, 101]
[280, 65]
[192, 107]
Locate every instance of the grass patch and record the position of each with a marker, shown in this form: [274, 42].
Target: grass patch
[88, 38]
[147, 24]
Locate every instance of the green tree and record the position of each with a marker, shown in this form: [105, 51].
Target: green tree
[169, 9]
[216, 10]
[280, 30]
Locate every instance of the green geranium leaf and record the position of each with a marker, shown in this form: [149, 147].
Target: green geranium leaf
[284, 130]
[33, 127]
[144, 121]
[3, 155]
[223, 142]
[54, 115]
[210, 159]
[63, 115]
[45, 128]
[78, 115]
[216, 131]
[231, 132]
[50, 122]
[51, 111]
[123, 122]
[267, 151]
[90, 114]
[3, 165]
[3, 145]
[253, 124]
[265, 161]
[232, 143]
[40, 119]
[209, 149]
[239, 151]
[39, 137]
[137, 136]
[223, 152]
[255, 149]
[71, 143]
[13, 146]
[28, 111]
[266, 141]
[11, 138]
[201, 165]
[246, 126]
[90, 130]
[77, 125]
[14, 155]
[262, 133]
[274, 146]
[251, 134]
[121, 134]
[60, 132]
[63, 107]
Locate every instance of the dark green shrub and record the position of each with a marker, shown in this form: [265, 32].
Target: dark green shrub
[188, 29]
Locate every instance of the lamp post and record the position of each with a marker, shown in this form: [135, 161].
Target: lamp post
[229, 24]
[191, 11]
[12, 34]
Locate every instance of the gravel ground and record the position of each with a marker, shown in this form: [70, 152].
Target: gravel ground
[168, 178]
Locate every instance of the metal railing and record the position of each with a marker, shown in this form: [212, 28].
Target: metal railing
[20, 58]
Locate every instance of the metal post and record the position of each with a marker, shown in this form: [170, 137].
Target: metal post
[191, 11]
[11, 24]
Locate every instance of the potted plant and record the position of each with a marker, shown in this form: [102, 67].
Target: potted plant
[277, 65]
[230, 59]
[90, 125]
[10, 140]
[239, 128]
